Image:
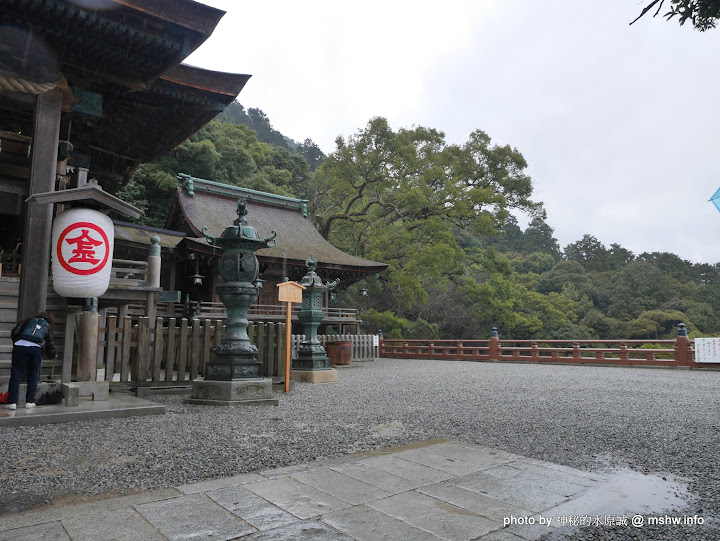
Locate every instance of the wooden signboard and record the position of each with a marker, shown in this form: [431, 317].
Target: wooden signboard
[289, 292]
[707, 350]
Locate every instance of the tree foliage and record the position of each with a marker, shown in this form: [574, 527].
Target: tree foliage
[703, 14]
[444, 218]
[258, 121]
[400, 196]
[222, 152]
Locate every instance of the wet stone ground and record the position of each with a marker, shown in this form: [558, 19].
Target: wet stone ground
[657, 422]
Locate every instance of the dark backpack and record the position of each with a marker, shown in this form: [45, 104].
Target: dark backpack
[35, 330]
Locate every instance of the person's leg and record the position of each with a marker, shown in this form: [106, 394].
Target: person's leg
[17, 368]
[34, 361]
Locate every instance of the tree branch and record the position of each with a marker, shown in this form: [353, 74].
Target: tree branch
[648, 8]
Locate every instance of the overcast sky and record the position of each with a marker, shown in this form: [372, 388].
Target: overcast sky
[620, 124]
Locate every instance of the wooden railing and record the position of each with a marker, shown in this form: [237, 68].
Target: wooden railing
[131, 350]
[176, 350]
[126, 272]
[216, 310]
[365, 347]
[670, 353]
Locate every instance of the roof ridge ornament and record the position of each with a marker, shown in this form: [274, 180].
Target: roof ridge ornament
[187, 183]
[311, 279]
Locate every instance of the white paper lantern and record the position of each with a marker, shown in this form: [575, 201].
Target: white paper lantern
[82, 252]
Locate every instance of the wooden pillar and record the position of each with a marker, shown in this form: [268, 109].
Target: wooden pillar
[87, 346]
[71, 323]
[153, 278]
[38, 218]
[214, 274]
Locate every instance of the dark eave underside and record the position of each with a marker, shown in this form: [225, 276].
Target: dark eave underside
[129, 53]
[140, 126]
[139, 39]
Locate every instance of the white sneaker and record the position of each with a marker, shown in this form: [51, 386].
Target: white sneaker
[29, 405]
[11, 406]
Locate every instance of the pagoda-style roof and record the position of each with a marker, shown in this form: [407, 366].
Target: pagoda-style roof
[128, 99]
[201, 203]
[129, 41]
[143, 125]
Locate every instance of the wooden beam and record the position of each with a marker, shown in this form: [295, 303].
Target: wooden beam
[38, 220]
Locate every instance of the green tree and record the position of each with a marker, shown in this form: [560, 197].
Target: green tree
[535, 262]
[639, 287]
[509, 238]
[563, 274]
[603, 326]
[589, 252]
[398, 197]
[538, 237]
[149, 189]
[259, 122]
[312, 153]
[703, 14]
[657, 324]
[617, 257]
[668, 263]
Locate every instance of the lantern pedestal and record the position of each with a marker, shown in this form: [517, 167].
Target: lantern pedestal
[235, 356]
[314, 376]
[247, 392]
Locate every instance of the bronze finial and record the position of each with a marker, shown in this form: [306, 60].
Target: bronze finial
[241, 211]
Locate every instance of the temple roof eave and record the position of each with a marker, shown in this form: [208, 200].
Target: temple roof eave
[127, 54]
[297, 237]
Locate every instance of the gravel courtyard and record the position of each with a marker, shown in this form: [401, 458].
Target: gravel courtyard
[594, 418]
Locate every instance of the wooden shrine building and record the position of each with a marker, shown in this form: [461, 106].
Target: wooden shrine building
[86, 95]
[200, 203]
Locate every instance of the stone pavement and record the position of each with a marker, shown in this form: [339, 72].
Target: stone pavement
[439, 489]
[117, 405]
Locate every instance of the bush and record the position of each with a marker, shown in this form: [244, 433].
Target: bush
[396, 328]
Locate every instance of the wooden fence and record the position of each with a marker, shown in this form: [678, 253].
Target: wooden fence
[176, 350]
[365, 347]
[131, 350]
[667, 353]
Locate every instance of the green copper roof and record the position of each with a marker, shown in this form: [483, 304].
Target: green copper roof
[193, 184]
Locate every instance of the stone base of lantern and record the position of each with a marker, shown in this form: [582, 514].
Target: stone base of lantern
[249, 392]
[314, 376]
[311, 357]
[72, 392]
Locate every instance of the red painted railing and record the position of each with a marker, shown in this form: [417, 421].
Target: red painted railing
[671, 353]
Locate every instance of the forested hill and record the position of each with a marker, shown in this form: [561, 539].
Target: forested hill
[237, 148]
[442, 216]
[614, 293]
[257, 120]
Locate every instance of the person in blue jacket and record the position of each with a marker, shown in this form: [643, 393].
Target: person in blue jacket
[31, 337]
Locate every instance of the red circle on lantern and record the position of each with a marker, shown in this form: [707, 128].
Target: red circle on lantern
[66, 265]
